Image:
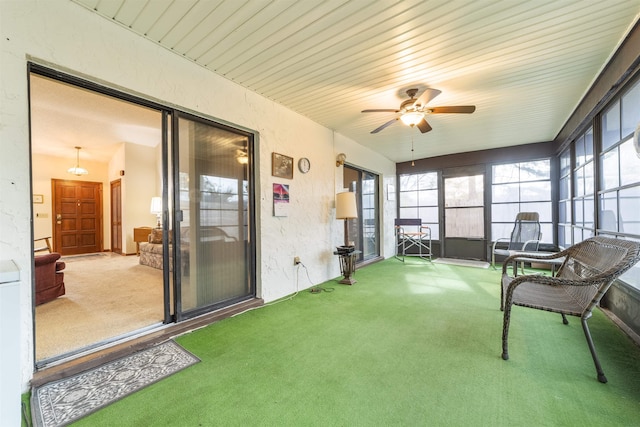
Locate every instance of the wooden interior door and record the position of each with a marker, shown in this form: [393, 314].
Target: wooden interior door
[116, 216]
[77, 220]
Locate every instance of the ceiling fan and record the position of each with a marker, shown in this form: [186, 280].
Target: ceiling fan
[413, 111]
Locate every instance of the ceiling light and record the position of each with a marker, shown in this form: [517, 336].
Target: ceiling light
[243, 159]
[77, 170]
[412, 118]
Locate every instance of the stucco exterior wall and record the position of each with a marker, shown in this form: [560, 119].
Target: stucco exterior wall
[65, 36]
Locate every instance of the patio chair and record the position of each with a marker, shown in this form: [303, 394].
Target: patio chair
[525, 237]
[587, 272]
[411, 233]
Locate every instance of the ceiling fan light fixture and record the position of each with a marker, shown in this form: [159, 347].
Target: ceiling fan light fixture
[412, 118]
[413, 111]
[77, 170]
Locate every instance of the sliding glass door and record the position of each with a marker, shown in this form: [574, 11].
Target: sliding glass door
[213, 219]
[364, 230]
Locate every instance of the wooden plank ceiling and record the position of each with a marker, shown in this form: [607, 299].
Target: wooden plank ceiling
[524, 64]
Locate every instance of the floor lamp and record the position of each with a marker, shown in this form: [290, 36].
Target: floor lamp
[347, 209]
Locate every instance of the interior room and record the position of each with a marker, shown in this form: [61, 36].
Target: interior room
[228, 177]
[102, 288]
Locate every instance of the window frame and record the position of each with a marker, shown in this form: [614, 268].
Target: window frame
[502, 228]
[431, 204]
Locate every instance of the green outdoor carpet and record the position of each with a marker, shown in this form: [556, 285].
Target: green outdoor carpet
[462, 262]
[411, 344]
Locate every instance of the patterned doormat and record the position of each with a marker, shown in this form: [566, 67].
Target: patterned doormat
[61, 402]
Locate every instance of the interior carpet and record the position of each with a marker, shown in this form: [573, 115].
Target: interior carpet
[63, 401]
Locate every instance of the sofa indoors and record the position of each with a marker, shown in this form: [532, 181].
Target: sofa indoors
[49, 277]
[210, 237]
[151, 251]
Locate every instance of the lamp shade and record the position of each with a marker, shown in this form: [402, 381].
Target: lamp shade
[156, 205]
[346, 205]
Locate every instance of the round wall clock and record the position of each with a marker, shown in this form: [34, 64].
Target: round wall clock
[304, 165]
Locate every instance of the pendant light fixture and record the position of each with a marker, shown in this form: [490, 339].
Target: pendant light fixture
[77, 170]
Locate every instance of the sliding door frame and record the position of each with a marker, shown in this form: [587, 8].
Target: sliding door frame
[171, 212]
[359, 223]
[177, 216]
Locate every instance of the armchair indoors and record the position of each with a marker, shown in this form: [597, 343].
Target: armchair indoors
[587, 272]
[525, 236]
[49, 277]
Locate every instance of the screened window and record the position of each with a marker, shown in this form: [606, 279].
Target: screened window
[611, 126]
[564, 200]
[619, 195]
[419, 199]
[584, 187]
[521, 187]
[630, 110]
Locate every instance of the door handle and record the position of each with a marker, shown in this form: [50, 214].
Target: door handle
[58, 219]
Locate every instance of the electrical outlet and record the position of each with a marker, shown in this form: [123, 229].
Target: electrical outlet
[296, 260]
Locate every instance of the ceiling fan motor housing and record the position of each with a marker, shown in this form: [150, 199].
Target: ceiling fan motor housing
[407, 105]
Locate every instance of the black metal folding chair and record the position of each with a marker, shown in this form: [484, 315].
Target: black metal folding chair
[412, 238]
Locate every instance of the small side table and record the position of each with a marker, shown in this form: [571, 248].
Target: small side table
[555, 263]
[347, 266]
[140, 234]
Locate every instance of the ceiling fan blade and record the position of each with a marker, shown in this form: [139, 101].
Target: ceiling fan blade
[380, 111]
[389, 123]
[467, 109]
[424, 126]
[427, 96]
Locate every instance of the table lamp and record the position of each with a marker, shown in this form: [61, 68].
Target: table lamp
[156, 209]
[346, 209]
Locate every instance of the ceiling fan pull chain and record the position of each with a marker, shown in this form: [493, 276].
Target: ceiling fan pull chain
[412, 162]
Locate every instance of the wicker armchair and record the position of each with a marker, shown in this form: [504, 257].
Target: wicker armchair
[588, 270]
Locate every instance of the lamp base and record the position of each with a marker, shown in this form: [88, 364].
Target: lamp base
[348, 281]
[348, 267]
